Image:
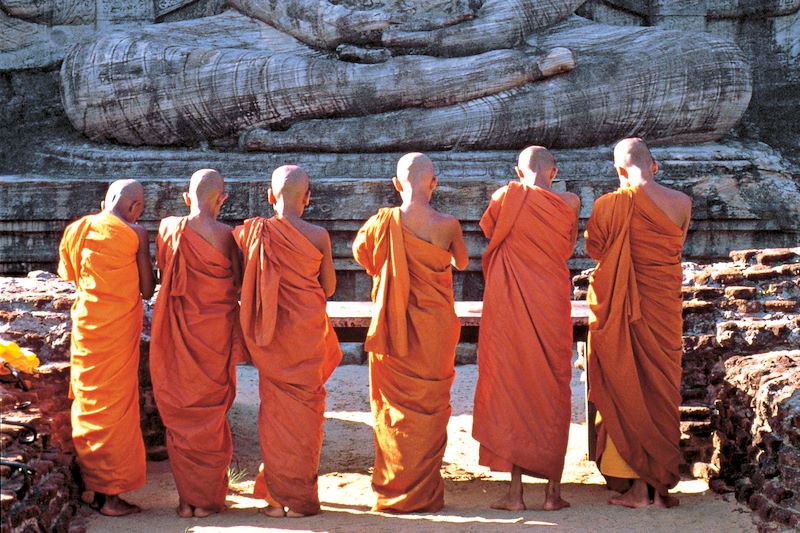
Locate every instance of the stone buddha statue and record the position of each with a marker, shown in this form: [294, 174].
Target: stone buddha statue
[385, 75]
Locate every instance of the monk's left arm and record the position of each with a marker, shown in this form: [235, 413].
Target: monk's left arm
[457, 247]
[363, 245]
[147, 283]
[327, 272]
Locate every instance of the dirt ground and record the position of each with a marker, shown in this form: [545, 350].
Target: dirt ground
[344, 482]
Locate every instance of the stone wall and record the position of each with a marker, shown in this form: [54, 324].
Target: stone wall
[744, 195]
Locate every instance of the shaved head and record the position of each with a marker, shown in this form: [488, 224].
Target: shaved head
[204, 184]
[632, 152]
[290, 182]
[536, 159]
[415, 168]
[124, 191]
[125, 198]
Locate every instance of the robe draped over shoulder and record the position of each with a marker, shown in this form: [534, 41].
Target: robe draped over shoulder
[294, 347]
[98, 253]
[635, 331]
[192, 347]
[523, 396]
[412, 340]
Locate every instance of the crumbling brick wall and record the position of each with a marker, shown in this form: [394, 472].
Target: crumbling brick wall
[34, 312]
[740, 412]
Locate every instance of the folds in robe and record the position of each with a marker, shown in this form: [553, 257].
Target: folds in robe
[523, 397]
[294, 347]
[98, 253]
[192, 348]
[635, 333]
[412, 340]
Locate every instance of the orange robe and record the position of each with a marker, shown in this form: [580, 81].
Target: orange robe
[294, 347]
[192, 363]
[412, 341]
[635, 333]
[98, 253]
[523, 396]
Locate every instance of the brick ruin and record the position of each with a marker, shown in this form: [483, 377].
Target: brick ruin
[741, 399]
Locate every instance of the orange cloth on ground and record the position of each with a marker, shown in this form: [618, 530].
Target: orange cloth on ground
[192, 365]
[635, 332]
[523, 396]
[294, 347]
[98, 253]
[412, 341]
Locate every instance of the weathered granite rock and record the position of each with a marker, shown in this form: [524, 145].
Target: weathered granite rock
[767, 31]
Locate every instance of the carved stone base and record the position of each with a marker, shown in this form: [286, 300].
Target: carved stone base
[745, 195]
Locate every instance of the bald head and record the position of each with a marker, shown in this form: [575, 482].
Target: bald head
[415, 169]
[290, 182]
[205, 185]
[125, 198]
[536, 159]
[633, 152]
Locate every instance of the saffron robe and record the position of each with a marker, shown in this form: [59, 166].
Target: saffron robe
[192, 365]
[98, 253]
[635, 330]
[411, 342]
[294, 347]
[523, 396]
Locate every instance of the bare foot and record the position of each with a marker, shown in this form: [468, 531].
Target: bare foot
[274, 512]
[554, 504]
[294, 514]
[202, 512]
[552, 496]
[508, 503]
[184, 510]
[116, 506]
[636, 497]
[665, 501]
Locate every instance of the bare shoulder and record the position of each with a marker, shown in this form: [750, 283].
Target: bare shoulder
[316, 234]
[571, 199]
[140, 232]
[500, 193]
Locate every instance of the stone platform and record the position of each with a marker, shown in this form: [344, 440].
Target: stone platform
[745, 195]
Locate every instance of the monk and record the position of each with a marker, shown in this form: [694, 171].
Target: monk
[525, 338]
[288, 275]
[636, 235]
[107, 256]
[193, 344]
[409, 251]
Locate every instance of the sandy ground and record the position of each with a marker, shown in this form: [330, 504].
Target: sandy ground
[344, 482]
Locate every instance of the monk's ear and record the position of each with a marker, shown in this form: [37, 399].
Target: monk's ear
[397, 185]
[136, 208]
[102, 205]
[654, 167]
[553, 174]
[434, 183]
[520, 175]
[187, 199]
[271, 197]
[221, 199]
[307, 200]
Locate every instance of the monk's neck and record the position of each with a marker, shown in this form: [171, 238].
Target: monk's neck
[201, 214]
[289, 216]
[416, 200]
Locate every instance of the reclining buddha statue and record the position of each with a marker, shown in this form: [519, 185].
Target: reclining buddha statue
[386, 75]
